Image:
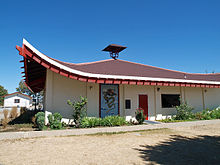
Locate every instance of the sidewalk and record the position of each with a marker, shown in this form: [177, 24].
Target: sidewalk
[86, 131]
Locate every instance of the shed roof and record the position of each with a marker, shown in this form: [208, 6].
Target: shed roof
[15, 93]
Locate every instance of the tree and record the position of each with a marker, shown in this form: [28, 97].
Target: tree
[3, 92]
[22, 88]
[38, 97]
[79, 110]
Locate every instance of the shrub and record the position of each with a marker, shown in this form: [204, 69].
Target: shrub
[107, 121]
[40, 114]
[184, 112]
[88, 122]
[215, 114]
[23, 110]
[5, 122]
[5, 112]
[40, 120]
[33, 120]
[198, 116]
[139, 115]
[79, 110]
[14, 113]
[55, 121]
[206, 115]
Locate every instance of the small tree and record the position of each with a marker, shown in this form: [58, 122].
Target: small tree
[79, 110]
[184, 112]
[3, 92]
[139, 115]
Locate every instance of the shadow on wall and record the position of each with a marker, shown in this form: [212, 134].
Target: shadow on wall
[182, 150]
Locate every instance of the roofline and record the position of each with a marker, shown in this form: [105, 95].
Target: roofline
[17, 93]
[118, 77]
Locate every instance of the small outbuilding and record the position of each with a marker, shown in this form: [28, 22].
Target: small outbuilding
[116, 87]
[17, 99]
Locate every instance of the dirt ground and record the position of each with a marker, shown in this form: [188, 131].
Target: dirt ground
[183, 145]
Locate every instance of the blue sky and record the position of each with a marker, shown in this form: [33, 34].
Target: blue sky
[178, 35]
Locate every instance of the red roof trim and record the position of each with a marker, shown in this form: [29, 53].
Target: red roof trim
[29, 55]
[17, 93]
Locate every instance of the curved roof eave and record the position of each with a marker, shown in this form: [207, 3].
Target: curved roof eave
[105, 76]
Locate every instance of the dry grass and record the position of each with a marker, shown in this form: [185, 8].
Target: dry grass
[33, 120]
[16, 128]
[14, 113]
[5, 120]
[5, 123]
[182, 145]
[5, 112]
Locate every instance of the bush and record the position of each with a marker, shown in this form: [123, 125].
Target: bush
[39, 114]
[139, 115]
[184, 112]
[55, 121]
[5, 112]
[40, 120]
[33, 120]
[23, 110]
[14, 113]
[110, 121]
[113, 121]
[79, 110]
[5, 122]
[215, 114]
[208, 115]
[89, 122]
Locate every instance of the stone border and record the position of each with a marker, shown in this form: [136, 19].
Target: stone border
[86, 131]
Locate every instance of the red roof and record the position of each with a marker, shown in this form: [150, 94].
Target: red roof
[107, 71]
[15, 93]
[121, 67]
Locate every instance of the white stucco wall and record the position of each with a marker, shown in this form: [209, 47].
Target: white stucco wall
[212, 98]
[132, 92]
[24, 101]
[194, 98]
[164, 112]
[59, 89]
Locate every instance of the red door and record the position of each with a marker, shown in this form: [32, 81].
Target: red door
[143, 103]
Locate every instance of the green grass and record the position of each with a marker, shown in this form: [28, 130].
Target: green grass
[175, 121]
[120, 132]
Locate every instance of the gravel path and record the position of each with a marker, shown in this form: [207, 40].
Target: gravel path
[86, 131]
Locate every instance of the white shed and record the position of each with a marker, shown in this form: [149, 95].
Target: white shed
[17, 100]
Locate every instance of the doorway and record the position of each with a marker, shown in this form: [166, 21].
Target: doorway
[143, 104]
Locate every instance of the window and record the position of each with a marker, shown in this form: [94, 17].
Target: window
[17, 101]
[170, 100]
[127, 104]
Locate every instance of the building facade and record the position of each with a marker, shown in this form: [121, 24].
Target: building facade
[17, 100]
[116, 87]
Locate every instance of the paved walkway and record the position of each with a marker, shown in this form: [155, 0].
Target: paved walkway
[86, 131]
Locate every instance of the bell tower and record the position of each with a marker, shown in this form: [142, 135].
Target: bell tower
[114, 50]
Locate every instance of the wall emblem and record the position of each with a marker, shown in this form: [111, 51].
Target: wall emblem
[109, 100]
